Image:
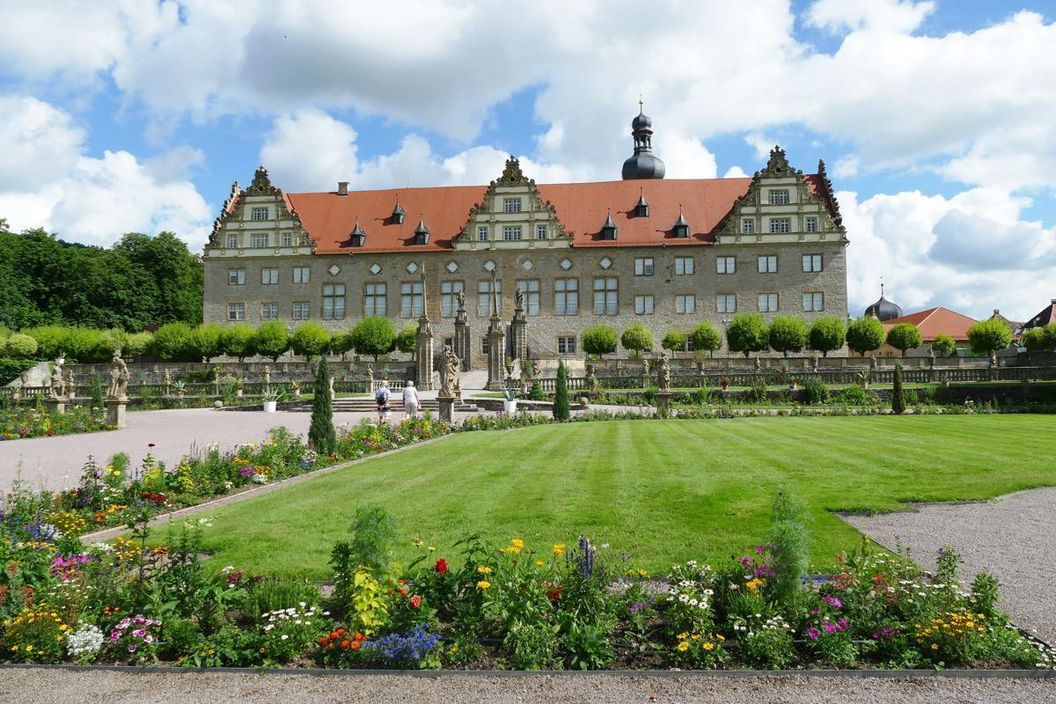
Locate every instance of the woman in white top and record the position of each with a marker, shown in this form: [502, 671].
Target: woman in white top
[381, 397]
[410, 400]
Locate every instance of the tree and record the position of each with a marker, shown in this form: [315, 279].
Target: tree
[674, 340]
[1035, 340]
[407, 340]
[138, 343]
[20, 346]
[561, 409]
[598, 340]
[637, 339]
[865, 335]
[205, 341]
[706, 337]
[827, 334]
[898, 396]
[172, 342]
[787, 334]
[321, 434]
[374, 336]
[341, 343]
[747, 333]
[50, 339]
[989, 336]
[271, 339]
[1050, 335]
[311, 340]
[905, 336]
[238, 341]
[943, 345]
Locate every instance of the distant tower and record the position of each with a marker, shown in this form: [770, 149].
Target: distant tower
[883, 308]
[644, 164]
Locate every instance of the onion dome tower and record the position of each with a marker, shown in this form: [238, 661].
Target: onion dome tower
[644, 164]
[884, 309]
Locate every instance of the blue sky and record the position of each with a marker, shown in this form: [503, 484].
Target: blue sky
[934, 118]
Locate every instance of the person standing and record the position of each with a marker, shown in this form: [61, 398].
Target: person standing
[410, 400]
[381, 397]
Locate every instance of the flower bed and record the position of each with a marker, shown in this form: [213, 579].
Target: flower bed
[16, 423]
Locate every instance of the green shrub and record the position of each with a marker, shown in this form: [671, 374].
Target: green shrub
[854, 396]
[787, 334]
[827, 334]
[561, 406]
[943, 345]
[407, 340]
[11, 369]
[675, 340]
[898, 397]
[321, 434]
[987, 336]
[904, 336]
[206, 342]
[311, 340]
[273, 593]
[815, 392]
[598, 340]
[374, 336]
[172, 342]
[637, 339]
[758, 393]
[865, 335]
[238, 341]
[706, 337]
[536, 393]
[20, 346]
[747, 333]
[789, 544]
[272, 339]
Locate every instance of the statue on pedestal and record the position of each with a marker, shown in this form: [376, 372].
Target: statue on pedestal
[118, 389]
[71, 385]
[58, 381]
[448, 372]
[518, 299]
[663, 373]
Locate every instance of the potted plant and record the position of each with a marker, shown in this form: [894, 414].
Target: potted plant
[271, 400]
[509, 402]
[295, 389]
[725, 382]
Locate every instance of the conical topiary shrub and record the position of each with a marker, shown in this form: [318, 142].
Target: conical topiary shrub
[561, 411]
[898, 398]
[321, 434]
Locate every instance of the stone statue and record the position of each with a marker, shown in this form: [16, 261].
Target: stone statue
[461, 300]
[758, 363]
[663, 372]
[71, 385]
[448, 372]
[118, 390]
[814, 361]
[931, 357]
[645, 366]
[592, 381]
[167, 378]
[58, 381]
[332, 394]
[993, 358]
[518, 298]
[872, 363]
[267, 375]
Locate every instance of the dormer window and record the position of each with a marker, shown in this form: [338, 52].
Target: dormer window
[359, 235]
[397, 213]
[681, 227]
[608, 230]
[421, 233]
[641, 210]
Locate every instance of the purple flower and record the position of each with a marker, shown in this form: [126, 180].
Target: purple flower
[888, 633]
[131, 648]
[829, 626]
[832, 601]
[139, 633]
[745, 562]
[813, 633]
[760, 549]
[843, 623]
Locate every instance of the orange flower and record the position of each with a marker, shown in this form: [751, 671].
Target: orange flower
[346, 644]
[356, 644]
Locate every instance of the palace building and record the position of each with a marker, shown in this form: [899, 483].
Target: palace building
[666, 253]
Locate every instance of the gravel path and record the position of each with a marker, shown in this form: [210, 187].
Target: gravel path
[61, 687]
[1012, 538]
[56, 462]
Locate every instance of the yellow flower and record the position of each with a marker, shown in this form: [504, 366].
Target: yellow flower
[696, 636]
[558, 549]
[720, 638]
[484, 569]
[934, 646]
[517, 543]
[483, 584]
[683, 646]
[539, 563]
[682, 636]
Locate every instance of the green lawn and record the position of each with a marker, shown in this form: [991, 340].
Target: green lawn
[660, 491]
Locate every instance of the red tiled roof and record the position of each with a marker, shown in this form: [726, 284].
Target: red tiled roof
[581, 208]
[935, 321]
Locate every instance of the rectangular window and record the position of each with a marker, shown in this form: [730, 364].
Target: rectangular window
[259, 214]
[813, 302]
[780, 224]
[236, 277]
[643, 305]
[779, 196]
[605, 299]
[566, 296]
[333, 301]
[302, 310]
[258, 240]
[725, 265]
[269, 276]
[449, 291]
[566, 344]
[810, 223]
[511, 233]
[236, 311]
[411, 299]
[768, 264]
[482, 233]
[302, 274]
[511, 205]
[484, 297]
[685, 304]
[269, 311]
[747, 226]
[531, 295]
[374, 303]
[540, 232]
[726, 303]
[484, 344]
[287, 239]
[683, 266]
[767, 302]
[812, 263]
[232, 241]
[643, 267]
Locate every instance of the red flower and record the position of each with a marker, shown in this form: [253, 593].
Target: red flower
[416, 601]
[323, 642]
[403, 592]
[441, 566]
[345, 645]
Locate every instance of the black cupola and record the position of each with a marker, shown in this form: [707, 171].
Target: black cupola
[643, 164]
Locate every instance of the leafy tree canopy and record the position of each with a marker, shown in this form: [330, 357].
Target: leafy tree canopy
[747, 333]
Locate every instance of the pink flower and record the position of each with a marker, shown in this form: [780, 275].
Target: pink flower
[829, 626]
[832, 601]
[131, 648]
[139, 633]
[813, 633]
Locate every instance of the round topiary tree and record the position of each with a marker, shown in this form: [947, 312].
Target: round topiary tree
[374, 335]
[238, 341]
[311, 340]
[341, 343]
[865, 335]
[827, 334]
[172, 342]
[905, 336]
[207, 341]
[747, 333]
[20, 346]
[637, 339]
[787, 334]
[675, 340]
[407, 340]
[1050, 336]
[561, 408]
[989, 336]
[272, 339]
[943, 345]
[599, 340]
[706, 337]
[321, 434]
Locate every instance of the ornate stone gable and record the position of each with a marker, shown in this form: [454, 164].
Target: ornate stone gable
[261, 185]
[512, 207]
[261, 192]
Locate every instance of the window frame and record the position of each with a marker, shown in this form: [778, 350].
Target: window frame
[269, 306]
[412, 299]
[722, 303]
[747, 226]
[376, 299]
[687, 265]
[769, 296]
[269, 276]
[484, 297]
[779, 196]
[813, 306]
[566, 341]
[259, 210]
[236, 276]
[810, 223]
[449, 290]
[255, 239]
[766, 263]
[531, 296]
[644, 266]
[511, 204]
[780, 225]
[813, 263]
[542, 232]
[482, 233]
[302, 274]
[512, 233]
[722, 265]
[607, 296]
[239, 309]
[564, 295]
[302, 310]
[333, 299]
[681, 299]
[232, 241]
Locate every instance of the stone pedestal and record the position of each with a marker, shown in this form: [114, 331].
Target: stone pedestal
[496, 355]
[55, 405]
[519, 336]
[663, 403]
[425, 355]
[115, 412]
[447, 407]
[461, 341]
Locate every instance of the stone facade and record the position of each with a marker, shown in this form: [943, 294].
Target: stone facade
[775, 248]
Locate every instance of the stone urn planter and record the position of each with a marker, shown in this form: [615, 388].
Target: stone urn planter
[509, 406]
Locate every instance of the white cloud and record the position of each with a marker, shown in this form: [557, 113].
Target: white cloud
[39, 143]
[875, 15]
[735, 172]
[847, 166]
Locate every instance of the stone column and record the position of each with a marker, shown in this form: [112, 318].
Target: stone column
[425, 345]
[115, 412]
[496, 345]
[461, 342]
[55, 405]
[519, 330]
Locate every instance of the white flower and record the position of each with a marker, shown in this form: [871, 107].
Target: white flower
[285, 637]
